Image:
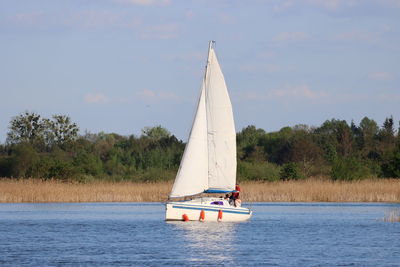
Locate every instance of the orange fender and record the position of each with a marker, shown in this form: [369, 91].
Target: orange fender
[185, 218]
[220, 215]
[202, 216]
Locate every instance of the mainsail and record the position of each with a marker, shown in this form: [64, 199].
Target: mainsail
[209, 161]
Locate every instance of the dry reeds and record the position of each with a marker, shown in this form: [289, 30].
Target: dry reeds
[311, 190]
[33, 190]
[322, 190]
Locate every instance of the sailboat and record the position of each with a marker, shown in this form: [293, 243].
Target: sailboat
[208, 165]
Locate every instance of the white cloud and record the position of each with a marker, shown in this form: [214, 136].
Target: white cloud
[328, 4]
[28, 19]
[387, 97]
[189, 14]
[266, 55]
[152, 95]
[97, 98]
[380, 75]
[357, 35]
[390, 3]
[252, 95]
[335, 5]
[190, 56]
[159, 32]
[144, 2]
[266, 68]
[225, 18]
[290, 36]
[299, 91]
[95, 18]
[282, 6]
[147, 93]
[77, 19]
[90, 19]
[248, 67]
[288, 93]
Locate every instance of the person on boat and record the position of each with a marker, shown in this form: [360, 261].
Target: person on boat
[229, 199]
[235, 196]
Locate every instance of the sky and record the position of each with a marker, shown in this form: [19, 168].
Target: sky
[122, 65]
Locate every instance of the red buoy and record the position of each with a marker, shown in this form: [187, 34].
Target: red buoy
[202, 216]
[185, 218]
[220, 215]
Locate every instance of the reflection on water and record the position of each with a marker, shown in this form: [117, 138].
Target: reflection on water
[209, 242]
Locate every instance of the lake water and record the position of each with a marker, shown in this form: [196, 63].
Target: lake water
[135, 234]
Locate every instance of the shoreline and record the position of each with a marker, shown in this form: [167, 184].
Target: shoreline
[309, 190]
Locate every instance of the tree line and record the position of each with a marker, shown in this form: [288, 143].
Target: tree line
[52, 148]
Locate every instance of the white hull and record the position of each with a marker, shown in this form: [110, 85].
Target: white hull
[191, 210]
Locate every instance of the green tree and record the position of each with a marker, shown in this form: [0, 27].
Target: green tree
[61, 131]
[391, 168]
[369, 130]
[24, 158]
[337, 133]
[5, 166]
[305, 153]
[387, 134]
[276, 145]
[114, 166]
[87, 163]
[290, 171]
[257, 171]
[155, 133]
[386, 146]
[248, 144]
[26, 128]
[350, 168]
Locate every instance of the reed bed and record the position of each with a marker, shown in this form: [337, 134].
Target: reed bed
[320, 190]
[36, 191]
[311, 190]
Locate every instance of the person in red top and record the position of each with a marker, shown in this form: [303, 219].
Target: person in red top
[235, 196]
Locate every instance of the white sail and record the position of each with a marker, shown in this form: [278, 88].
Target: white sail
[221, 134]
[192, 174]
[209, 160]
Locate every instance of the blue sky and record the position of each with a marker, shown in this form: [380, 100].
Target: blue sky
[121, 65]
